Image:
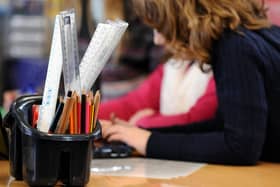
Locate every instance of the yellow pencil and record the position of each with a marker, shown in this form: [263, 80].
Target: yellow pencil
[97, 98]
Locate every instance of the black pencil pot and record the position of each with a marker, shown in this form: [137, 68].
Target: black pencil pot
[43, 159]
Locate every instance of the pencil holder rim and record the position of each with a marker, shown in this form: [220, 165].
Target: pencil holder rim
[27, 129]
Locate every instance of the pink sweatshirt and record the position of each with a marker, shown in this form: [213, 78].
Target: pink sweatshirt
[147, 95]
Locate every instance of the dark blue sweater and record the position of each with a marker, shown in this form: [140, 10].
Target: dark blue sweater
[247, 125]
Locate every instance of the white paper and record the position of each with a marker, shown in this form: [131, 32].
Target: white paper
[143, 167]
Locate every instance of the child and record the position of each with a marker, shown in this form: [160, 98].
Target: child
[176, 93]
[236, 38]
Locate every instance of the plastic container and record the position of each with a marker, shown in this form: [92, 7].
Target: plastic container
[42, 159]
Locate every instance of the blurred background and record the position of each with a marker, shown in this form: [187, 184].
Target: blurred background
[25, 38]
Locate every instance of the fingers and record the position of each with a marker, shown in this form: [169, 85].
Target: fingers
[121, 122]
[105, 124]
[116, 129]
[115, 137]
[130, 135]
[109, 127]
[141, 114]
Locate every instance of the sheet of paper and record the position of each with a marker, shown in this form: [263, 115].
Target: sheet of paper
[143, 167]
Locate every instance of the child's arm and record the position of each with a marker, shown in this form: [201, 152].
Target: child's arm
[145, 96]
[204, 109]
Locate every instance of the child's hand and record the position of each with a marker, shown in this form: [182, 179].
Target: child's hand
[127, 133]
[105, 124]
[141, 114]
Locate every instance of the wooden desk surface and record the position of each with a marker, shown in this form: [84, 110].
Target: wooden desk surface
[262, 175]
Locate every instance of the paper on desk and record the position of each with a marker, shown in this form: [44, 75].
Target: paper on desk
[143, 167]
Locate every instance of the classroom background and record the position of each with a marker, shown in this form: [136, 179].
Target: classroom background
[25, 39]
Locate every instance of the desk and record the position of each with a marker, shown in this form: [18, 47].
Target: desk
[262, 175]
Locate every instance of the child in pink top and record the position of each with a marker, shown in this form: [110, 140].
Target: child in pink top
[176, 93]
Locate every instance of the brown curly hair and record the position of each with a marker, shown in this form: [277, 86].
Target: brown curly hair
[190, 26]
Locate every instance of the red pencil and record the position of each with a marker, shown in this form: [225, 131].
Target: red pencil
[79, 106]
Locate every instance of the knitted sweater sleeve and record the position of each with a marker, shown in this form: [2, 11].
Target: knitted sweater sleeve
[243, 106]
[145, 96]
[203, 109]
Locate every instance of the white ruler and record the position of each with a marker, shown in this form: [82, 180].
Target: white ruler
[104, 41]
[47, 109]
[71, 73]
